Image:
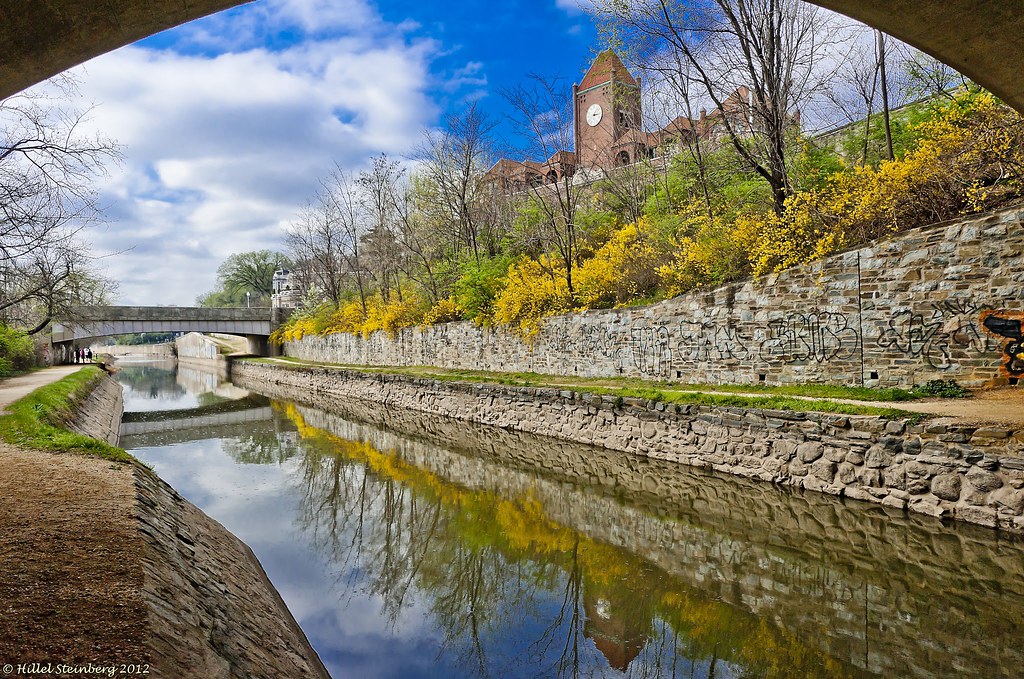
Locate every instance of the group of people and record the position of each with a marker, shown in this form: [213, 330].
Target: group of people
[82, 355]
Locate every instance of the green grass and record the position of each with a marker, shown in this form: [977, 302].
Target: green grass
[740, 396]
[37, 421]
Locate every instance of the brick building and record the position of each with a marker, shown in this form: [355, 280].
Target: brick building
[609, 132]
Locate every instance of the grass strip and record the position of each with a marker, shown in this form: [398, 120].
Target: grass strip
[774, 398]
[38, 420]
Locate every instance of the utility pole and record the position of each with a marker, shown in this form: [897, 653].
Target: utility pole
[880, 39]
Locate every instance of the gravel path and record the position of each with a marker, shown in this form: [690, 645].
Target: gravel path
[70, 567]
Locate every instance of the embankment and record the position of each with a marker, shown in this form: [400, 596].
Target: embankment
[896, 312]
[833, 573]
[212, 611]
[966, 473]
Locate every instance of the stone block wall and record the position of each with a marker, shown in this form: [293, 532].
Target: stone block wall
[798, 558]
[967, 473]
[897, 312]
[98, 414]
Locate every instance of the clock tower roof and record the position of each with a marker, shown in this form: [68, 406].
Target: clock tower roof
[601, 71]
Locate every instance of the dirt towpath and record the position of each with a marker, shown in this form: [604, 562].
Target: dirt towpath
[18, 387]
[70, 567]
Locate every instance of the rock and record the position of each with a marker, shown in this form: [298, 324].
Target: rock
[984, 481]
[895, 427]
[1010, 498]
[824, 470]
[797, 468]
[871, 478]
[810, 451]
[947, 487]
[847, 473]
[918, 486]
[878, 456]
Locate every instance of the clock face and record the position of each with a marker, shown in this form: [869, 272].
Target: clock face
[594, 114]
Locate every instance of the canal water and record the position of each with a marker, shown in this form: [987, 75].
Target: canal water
[412, 546]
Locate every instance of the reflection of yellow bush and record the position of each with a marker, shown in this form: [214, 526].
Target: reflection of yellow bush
[521, 529]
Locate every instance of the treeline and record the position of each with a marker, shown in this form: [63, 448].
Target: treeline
[395, 246]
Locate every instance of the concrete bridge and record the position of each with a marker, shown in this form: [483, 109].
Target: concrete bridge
[92, 323]
[194, 425]
[980, 38]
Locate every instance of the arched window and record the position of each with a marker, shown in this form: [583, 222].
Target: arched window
[552, 177]
[623, 158]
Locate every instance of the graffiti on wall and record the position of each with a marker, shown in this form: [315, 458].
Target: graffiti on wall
[1007, 326]
[815, 336]
[703, 342]
[936, 332]
[651, 350]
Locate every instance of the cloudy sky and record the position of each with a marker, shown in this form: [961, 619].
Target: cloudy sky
[227, 123]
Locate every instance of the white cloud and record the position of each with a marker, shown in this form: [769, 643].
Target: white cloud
[222, 150]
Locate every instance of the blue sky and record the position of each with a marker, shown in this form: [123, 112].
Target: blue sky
[227, 123]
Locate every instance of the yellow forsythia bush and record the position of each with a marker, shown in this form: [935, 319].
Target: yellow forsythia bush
[391, 316]
[533, 289]
[714, 251]
[621, 270]
[444, 311]
[967, 154]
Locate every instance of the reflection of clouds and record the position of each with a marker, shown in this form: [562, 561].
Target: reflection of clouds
[257, 503]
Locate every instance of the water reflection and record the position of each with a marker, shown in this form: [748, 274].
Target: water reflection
[413, 546]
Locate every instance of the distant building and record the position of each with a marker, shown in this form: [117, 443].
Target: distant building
[287, 294]
[608, 128]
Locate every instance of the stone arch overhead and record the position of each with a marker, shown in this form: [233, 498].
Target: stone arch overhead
[979, 38]
[41, 38]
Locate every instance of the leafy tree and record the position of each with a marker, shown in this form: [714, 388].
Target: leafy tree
[245, 272]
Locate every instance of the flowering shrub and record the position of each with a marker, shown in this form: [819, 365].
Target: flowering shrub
[445, 311]
[620, 270]
[533, 289]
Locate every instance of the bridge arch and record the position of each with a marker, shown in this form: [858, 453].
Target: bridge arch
[981, 38]
[91, 323]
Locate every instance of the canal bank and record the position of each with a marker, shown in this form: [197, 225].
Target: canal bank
[968, 473]
[104, 563]
[414, 545]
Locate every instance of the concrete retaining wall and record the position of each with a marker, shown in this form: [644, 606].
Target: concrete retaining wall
[894, 313]
[212, 610]
[970, 474]
[98, 415]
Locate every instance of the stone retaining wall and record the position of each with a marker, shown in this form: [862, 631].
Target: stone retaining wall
[894, 313]
[967, 473]
[98, 415]
[212, 610]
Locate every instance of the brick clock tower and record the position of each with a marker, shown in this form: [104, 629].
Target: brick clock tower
[607, 108]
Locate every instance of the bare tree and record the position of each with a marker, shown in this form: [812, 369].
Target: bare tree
[543, 111]
[452, 160]
[772, 50]
[48, 170]
[382, 246]
[52, 282]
